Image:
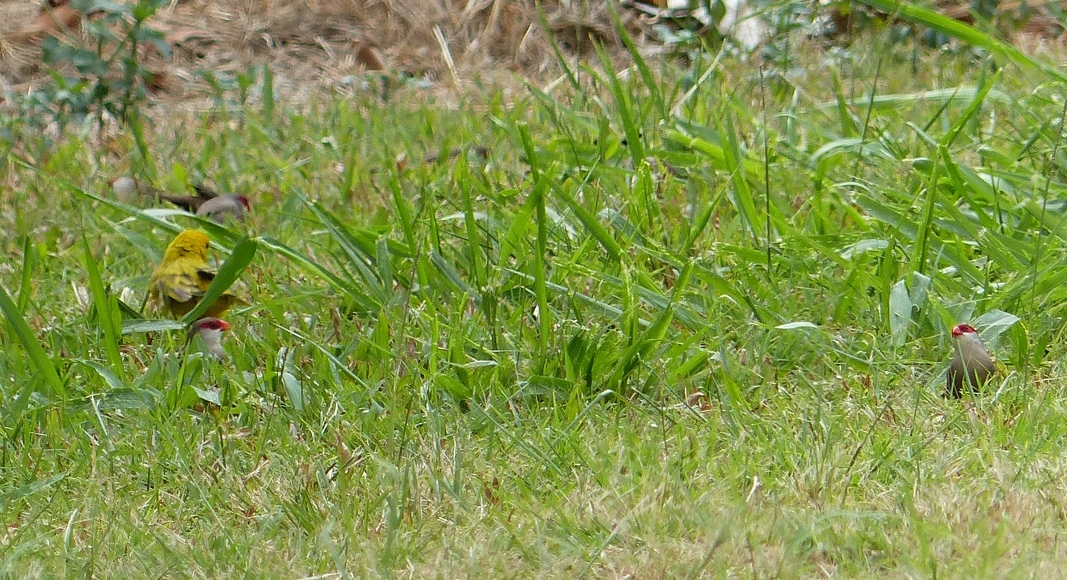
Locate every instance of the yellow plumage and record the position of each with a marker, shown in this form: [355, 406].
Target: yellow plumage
[182, 278]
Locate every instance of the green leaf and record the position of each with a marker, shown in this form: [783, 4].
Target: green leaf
[231, 269]
[30, 489]
[108, 317]
[124, 398]
[44, 365]
[796, 325]
[140, 326]
[112, 380]
[957, 29]
[208, 396]
[313, 267]
[993, 323]
[452, 274]
[899, 312]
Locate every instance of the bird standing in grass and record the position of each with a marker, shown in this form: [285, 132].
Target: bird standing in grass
[210, 332]
[182, 278]
[972, 366]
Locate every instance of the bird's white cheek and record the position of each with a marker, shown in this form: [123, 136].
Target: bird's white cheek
[211, 336]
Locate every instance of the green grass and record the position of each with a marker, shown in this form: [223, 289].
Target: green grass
[680, 324]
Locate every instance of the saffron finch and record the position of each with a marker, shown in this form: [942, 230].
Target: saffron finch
[182, 278]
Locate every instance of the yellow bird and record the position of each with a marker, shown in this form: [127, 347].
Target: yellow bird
[182, 278]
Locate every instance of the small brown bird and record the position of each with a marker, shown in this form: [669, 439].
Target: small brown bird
[971, 364]
[210, 332]
[207, 203]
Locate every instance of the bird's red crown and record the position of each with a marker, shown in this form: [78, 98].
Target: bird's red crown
[212, 324]
[961, 329]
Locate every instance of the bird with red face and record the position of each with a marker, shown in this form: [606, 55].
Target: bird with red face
[972, 365]
[207, 203]
[210, 331]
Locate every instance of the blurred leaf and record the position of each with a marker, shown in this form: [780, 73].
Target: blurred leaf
[899, 312]
[122, 399]
[963, 32]
[208, 396]
[863, 246]
[993, 323]
[141, 326]
[30, 489]
[452, 275]
[882, 102]
[112, 380]
[294, 390]
[796, 325]
[364, 302]
[920, 284]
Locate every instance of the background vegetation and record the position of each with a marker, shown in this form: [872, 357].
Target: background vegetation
[669, 321]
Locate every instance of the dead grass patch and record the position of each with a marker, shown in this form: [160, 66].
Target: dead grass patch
[316, 44]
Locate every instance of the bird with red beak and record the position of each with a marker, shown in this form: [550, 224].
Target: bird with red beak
[207, 203]
[210, 332]
[972, 366]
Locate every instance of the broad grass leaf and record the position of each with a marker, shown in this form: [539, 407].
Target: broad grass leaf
[43, 363]
[899, 312]
[231, 269]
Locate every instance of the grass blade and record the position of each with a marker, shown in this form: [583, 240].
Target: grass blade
[43, 363]
[108, 318]
[231, 269]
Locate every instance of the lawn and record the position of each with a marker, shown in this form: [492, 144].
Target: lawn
[673, 319]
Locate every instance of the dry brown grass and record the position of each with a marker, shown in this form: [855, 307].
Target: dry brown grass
[314, 44]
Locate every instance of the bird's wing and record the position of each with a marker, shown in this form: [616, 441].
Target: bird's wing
[205, 275]
[178, 287]
[186, 202]
[222, 208]
[204, 191]
[211, 205]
